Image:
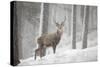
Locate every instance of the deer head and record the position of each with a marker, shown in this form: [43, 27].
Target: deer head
[60, 26]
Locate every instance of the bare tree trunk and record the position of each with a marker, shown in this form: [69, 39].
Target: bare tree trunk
[85, 27]
[82, 9]
[41, 19]
[74, 27]
[45, 18]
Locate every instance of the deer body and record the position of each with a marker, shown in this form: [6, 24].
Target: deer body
[50, 40]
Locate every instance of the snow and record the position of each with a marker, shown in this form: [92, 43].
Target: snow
[65, 54]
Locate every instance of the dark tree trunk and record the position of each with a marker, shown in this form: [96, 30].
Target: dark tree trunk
[45, 18]
[85, 27]
[74, 27]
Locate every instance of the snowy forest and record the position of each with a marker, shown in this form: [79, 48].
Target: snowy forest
[78, 42]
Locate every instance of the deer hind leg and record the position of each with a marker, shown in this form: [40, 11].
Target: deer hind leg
[35, 54]
[38, 52]
[42, 51]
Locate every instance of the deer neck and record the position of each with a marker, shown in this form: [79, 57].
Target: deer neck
[58, 37]
[59, 34]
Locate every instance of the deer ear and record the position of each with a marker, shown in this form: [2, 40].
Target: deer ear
[62, 23]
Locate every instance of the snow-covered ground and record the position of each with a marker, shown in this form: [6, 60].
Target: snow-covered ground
[67, 56]
[64, 53]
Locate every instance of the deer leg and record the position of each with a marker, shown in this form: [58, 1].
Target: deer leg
[41, 52]
[44, 50]
[54, 49]
[35, 55]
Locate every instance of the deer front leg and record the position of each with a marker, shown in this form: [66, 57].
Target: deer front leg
[44, 50]
[54, 49]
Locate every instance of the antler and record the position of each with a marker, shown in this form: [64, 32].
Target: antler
[63, 21]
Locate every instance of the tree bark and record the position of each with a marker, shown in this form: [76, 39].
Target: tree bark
[85, 27]
[74, 27]
[45, 18]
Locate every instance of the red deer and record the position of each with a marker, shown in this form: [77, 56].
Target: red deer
[50, 39]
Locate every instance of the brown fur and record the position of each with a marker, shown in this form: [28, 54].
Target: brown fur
[39, 52]
[49, 39]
